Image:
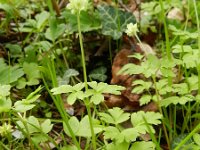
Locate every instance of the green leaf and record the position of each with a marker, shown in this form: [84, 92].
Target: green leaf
[190, 59]
[196, 138]
[78, 87]
[4, 90]
[137, 56]
[163, 87]
[33, 124]
[9, 74]
[130, 135]
[145, 99]
[5, 104]
[99, 74]
[111, 132]
[62, 89]
[130, 69]
[41, 19]
[39, 138]
[22, 106]
[116, 116]
[107, 118]
[46, 126]
[32, 74]
[151, 66]
[14, 49]
[74, 96]
[141, 120]
[69, 147]
[176, 100]
[26, 104]
[167, 72]
[55, 29]
[114, 21]
[117, 146]
[97, 98]
[82, 128]
[143, 145]
[113, 89]
[181, 88]
[74, 124]
[66, 77]
[105, 88]
[9, 9]
[181, 48]
[141, 86]
[192, 82]
[189, 144]
[88, 21]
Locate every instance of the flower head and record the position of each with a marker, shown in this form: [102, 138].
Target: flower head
[132, 29]
[5, 129]
[76, 6]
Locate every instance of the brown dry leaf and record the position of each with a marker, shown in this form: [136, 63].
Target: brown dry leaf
[176, 14]
[127, 100]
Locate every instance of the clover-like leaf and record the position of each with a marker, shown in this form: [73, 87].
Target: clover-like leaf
[33, 124]
[116, 116]
[74, 125]
[97, 98]
[66, 77]
[82, 128]
[99, 74]
[111, 132]
[46, 126]
[130, 134]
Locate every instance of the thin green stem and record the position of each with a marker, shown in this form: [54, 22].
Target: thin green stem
[166, 30]
[198, 30]
[196, 129]
[58, 101]
[87, 103]
[160, 109]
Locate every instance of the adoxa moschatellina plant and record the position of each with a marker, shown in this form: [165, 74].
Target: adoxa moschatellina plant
[76, 6]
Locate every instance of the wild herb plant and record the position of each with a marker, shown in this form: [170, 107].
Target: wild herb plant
[170, 80]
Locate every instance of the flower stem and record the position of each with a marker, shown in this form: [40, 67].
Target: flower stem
[87, 103]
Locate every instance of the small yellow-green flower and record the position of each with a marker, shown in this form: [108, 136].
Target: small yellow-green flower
[132, 29]
[76, 6]
[5, 129]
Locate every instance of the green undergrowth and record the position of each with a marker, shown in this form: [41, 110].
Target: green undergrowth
[55, 68]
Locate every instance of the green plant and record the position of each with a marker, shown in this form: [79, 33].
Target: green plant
[121, 136]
